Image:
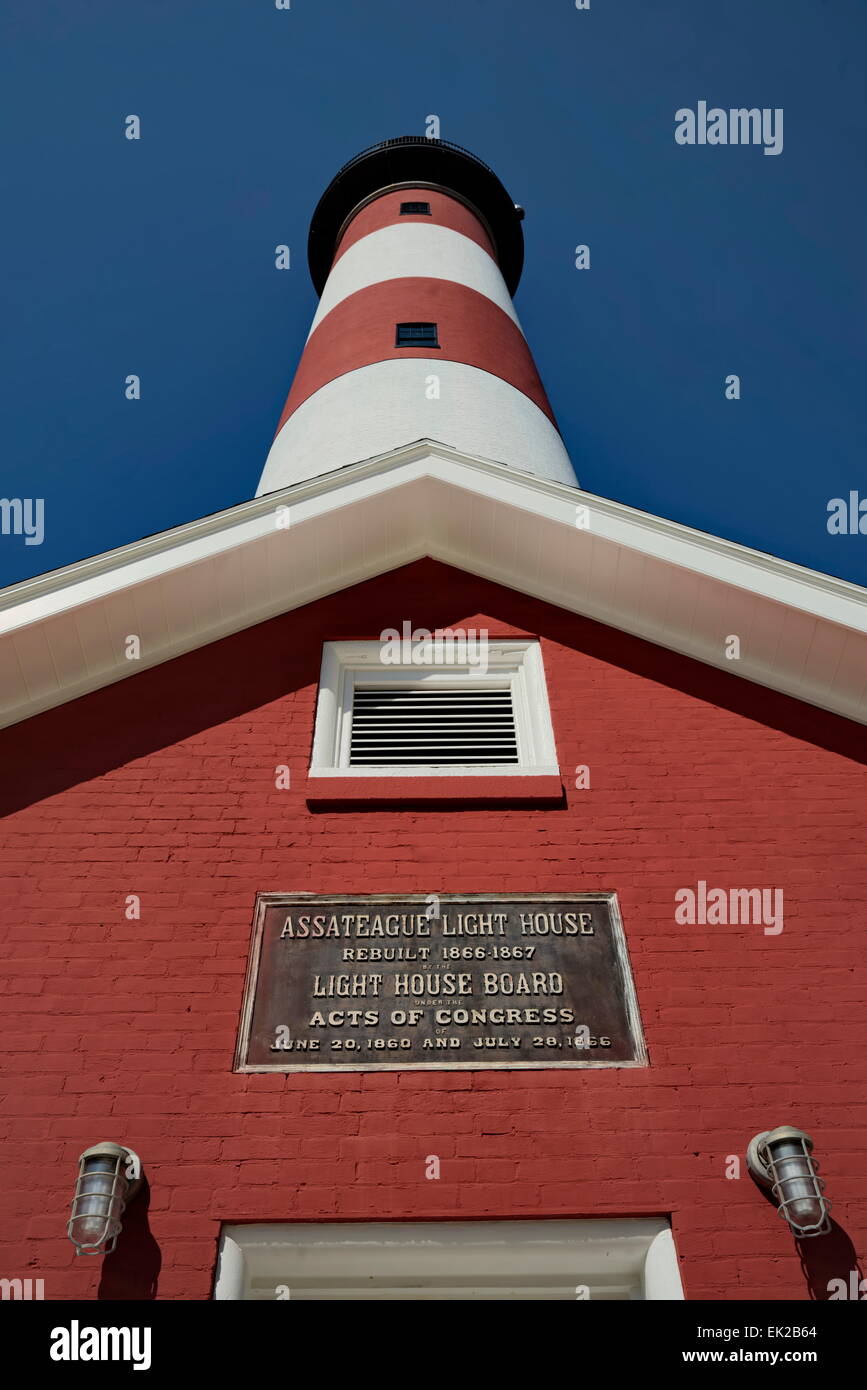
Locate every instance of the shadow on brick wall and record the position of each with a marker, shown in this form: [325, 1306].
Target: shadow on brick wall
[830, 1266]
[132, 1270]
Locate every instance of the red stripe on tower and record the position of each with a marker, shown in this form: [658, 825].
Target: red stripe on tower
[385, 210]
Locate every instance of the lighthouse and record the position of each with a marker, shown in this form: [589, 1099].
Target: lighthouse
[358, 936]
[416, 250]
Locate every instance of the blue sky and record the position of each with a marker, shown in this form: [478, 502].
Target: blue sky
[156, 257]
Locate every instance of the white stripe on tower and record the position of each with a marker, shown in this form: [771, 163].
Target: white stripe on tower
[387, 404]
[415, 252]
[415, 232]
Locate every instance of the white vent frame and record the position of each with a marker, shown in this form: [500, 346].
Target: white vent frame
[512, 663]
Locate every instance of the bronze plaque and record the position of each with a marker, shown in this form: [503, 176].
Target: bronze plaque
[453, 982]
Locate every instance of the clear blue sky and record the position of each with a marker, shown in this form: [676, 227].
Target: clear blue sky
[156, 257]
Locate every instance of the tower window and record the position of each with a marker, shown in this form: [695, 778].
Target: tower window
[416, 335]
[415, 210]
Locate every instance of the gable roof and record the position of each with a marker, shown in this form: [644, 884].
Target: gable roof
[802, 633]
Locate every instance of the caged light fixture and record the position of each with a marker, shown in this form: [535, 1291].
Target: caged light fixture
[109, 1176]
[782, 1160]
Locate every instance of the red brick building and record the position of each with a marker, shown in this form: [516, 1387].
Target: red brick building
[684, 717]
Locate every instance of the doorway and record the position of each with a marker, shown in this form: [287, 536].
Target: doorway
[610, 1259]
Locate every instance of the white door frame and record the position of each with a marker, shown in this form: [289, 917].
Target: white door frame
[611, 1258]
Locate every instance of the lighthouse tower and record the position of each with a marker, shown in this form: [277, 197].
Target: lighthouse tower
[415, 249]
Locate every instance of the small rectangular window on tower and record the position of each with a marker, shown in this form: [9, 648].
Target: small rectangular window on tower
[415, 210]
[416, 335]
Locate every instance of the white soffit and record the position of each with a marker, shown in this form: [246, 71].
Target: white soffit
[63, 634]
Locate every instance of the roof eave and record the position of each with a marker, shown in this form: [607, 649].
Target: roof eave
[801, 632]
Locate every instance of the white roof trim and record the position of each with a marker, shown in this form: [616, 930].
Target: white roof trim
[62, 634]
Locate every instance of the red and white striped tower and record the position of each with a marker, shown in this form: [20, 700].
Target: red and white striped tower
[360, 389]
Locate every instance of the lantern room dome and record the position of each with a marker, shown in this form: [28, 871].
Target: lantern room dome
[416, 161]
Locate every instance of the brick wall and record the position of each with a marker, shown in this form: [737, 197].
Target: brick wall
[163, 786]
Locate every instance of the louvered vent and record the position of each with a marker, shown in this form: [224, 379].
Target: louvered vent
[432, 725]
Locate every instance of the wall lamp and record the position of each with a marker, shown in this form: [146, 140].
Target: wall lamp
[109, 1176]
[782, 1160]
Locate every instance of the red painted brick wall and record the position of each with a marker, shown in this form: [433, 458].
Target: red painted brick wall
[163, 786]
